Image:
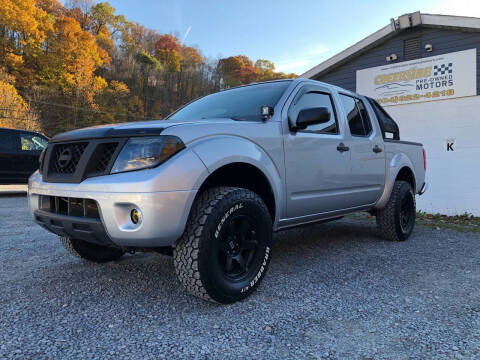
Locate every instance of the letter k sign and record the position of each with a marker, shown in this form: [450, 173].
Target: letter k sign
[450, 144]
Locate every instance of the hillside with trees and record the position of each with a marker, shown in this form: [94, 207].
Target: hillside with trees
[82, 64]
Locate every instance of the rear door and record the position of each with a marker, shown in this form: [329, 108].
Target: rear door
[367, 152]
[8, 149]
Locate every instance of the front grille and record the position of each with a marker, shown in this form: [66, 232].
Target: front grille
[65, 157]
[86, 208]
[106, 151]
[76, 161]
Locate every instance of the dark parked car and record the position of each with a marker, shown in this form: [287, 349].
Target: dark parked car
[19, 153]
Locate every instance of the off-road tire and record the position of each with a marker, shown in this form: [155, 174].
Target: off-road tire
[389, 218]
[196, 256]
[89, 251]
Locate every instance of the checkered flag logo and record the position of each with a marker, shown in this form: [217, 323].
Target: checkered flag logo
[442, 69]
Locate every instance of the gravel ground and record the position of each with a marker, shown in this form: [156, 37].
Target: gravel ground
[332, 291]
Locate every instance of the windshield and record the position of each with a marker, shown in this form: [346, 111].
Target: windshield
[241, 103]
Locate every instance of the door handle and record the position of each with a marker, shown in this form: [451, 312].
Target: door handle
[377, 149]
[341, 147]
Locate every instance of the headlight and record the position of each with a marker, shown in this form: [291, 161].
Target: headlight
[146, 152]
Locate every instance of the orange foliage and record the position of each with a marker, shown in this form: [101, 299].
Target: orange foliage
[237, 70]
[191, 55]
[167, 42]
[60, 54]
[77, 55]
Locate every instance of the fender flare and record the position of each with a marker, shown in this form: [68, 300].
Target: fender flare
[218, 151]
[398, 162]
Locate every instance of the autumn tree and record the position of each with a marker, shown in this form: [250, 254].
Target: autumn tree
[167, 52]
[80, 11]
[23, 28]
[265, 70]
[135, 109]
[14, 111]
[114, 97]
[229, 68]
[83, 64]
[105, 25]
[75, 57]
[237, 70]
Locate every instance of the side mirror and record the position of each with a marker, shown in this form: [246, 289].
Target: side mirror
[312, 116]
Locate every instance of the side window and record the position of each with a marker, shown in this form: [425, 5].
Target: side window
[32, 142]
[315, 100]
[357, 116]
[367, 123]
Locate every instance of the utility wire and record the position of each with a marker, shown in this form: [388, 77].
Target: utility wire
[75, 108]
[78, 109]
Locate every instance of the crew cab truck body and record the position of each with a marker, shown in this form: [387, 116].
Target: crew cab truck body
[219, 175]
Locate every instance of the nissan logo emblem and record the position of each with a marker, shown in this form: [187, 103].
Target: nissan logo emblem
[65, 158]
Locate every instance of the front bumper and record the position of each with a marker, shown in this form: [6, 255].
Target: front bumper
[164, 215]
[91, 230]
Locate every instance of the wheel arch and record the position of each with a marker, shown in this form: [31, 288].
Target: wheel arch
[241, 174]
[400, 167]
[235, 161]
[406, 174]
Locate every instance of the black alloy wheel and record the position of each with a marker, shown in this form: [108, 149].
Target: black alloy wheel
[225, 250]
[396, 220]
[407, 213]
[237, 247]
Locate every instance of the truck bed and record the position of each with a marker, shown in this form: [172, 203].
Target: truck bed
[413, 150]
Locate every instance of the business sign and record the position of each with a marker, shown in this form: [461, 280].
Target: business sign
[439, 77]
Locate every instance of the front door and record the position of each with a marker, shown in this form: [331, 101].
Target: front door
[317, 159]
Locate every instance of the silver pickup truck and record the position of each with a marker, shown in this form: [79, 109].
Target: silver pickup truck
[212, 182]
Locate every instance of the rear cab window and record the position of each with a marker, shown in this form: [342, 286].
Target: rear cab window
[389, 127]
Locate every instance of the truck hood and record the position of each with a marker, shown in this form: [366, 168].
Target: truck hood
[152, 127]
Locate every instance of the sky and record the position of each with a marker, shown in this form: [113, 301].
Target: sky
[295, 34]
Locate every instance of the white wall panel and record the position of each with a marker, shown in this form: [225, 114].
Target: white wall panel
[453, 177]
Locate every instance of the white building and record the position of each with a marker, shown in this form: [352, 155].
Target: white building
[424, 70]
